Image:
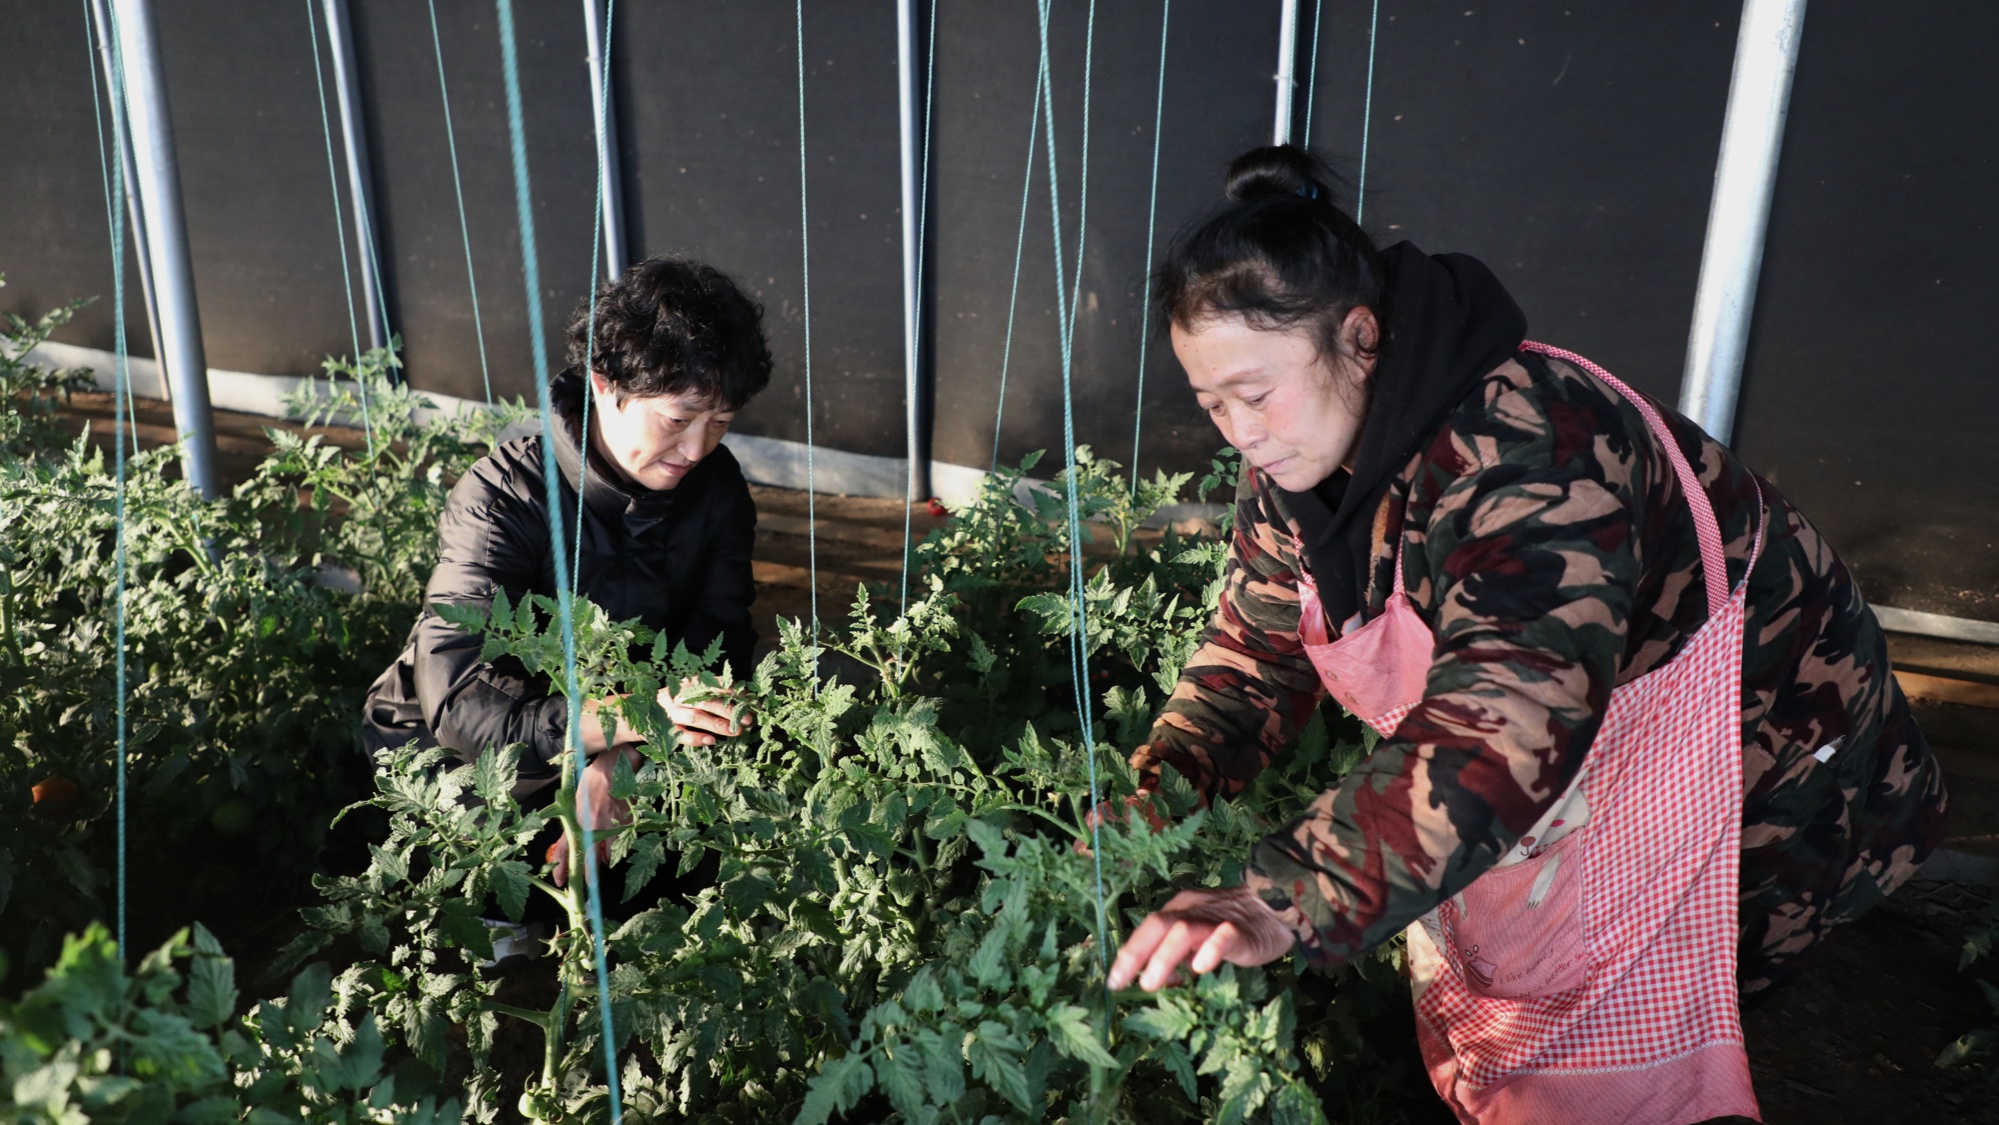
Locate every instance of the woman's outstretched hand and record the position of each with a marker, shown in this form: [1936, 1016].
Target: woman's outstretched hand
[1201, 929]
[700, 724]
[595, 809]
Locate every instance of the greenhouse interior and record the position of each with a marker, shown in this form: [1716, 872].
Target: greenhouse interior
[991, 561]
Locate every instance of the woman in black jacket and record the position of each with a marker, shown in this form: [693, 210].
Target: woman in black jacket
[674, 351]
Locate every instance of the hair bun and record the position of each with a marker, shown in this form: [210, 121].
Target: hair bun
[1279, 170]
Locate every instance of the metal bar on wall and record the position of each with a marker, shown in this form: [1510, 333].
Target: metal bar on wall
[122, 137]
[912, 276]
[1752, 135]
[353, 139]
[1287, 71]
[151, 127]
[606, 119]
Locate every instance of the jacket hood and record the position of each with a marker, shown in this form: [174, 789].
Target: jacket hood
[1449, 322]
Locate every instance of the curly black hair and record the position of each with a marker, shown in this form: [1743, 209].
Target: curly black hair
[671, 326]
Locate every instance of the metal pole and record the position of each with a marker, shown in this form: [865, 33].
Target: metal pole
[122, 136]
[912, 277]
[166, 238]
[1287, 71]
[340, 41]
[1752, 135]
[601, 103]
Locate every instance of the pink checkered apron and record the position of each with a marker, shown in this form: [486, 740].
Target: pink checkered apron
[1590, 975]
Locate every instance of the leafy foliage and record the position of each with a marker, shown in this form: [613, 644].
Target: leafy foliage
[253, 624]
[867, 906]
[96, 1044]
[898, 925]
[1978, 1049]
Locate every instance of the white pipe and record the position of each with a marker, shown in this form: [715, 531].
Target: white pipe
[1287, 71]
[340, 40]
[912, 277]
[606, 120]
[166, 238]
[1752, 135]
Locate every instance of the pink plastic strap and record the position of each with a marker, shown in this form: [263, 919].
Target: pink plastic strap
[1714, 561]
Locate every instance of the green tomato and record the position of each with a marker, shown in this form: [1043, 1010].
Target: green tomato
[232, 817]
[538, 1105]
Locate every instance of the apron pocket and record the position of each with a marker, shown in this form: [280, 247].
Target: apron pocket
[1517, 931]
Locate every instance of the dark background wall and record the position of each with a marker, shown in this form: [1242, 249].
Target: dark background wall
[1570, 146]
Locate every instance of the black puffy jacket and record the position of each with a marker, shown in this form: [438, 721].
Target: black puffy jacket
[678, 560]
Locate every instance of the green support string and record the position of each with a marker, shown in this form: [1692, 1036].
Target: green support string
[121, 394]
[805, 289]
[1079, 667]
[1366, 117]
[531, 278]
[603, 81]
[93, 39]
[1312, 79]
[1019, 247]
[339, 223]
[1151, 229]
[458, 193]
[916, 329]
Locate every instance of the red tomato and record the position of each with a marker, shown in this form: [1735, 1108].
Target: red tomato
[55, 796]
[938, 510]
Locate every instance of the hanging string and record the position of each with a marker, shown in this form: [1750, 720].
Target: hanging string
[94, 38]
[1312, 75]
[916, 328]
[1079, 668]
[1366, 118]
[1019, 248]
[458, 193]
[121, 394]
[1083, 160]
[531, 278]
[805, 290]
[340, 224]
[1151, 229]
[603, 81]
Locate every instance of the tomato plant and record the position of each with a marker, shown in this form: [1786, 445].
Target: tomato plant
[899, 926]
[244, 664]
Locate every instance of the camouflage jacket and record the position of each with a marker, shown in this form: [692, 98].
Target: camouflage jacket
[1551, 550]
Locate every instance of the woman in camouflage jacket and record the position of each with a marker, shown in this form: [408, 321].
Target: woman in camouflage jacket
[1381, 400]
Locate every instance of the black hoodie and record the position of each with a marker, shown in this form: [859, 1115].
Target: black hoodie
[677, 560]
[1449, 322]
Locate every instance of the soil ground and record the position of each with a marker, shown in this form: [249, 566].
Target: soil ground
[1854, 1039]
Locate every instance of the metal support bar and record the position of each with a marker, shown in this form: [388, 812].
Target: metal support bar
[1752, 134]
[606, 110]
[121, 131]
[353, 139]
[1287, 71]
[166, 238]
[912, 268]
[1941, 626]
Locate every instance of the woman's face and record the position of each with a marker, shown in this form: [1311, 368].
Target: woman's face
[654, 440]
[1294, 413]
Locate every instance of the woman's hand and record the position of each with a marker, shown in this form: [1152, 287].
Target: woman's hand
[701, 723]
[595, 809]
[1201, 929]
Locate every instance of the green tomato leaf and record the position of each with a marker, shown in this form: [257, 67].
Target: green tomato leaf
[1069, 1029]
[509, 879]
[211, 991]
[835, 1089]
